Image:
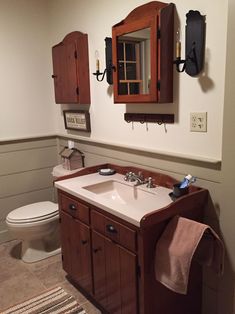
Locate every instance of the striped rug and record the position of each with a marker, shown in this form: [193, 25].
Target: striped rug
[55, 301]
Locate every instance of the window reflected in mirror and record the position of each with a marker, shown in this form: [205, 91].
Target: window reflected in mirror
[133, 53]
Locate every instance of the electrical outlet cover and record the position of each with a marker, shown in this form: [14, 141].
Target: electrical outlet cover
[198, 121]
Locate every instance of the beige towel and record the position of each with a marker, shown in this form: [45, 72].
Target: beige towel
[175, 249]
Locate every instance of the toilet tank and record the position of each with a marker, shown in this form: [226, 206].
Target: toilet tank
[60, 171]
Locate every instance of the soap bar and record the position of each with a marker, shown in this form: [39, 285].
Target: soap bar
[106, 172]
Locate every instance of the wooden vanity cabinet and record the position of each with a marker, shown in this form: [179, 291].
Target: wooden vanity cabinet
[112, 261]
[71, 69]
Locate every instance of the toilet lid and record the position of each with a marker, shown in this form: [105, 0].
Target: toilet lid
[33, 212]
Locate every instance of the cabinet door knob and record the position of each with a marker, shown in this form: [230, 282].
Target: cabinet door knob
[97, 250]
[111, 229]
[54, 76]
[72, 207]
[84, 242]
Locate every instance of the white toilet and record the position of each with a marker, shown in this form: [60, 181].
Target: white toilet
[37, 225]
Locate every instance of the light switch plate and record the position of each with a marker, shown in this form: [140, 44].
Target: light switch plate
[198, 121]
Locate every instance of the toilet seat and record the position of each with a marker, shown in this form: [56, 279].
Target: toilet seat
[33, 213]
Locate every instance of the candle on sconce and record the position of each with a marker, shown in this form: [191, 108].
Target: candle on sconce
[97, 61]
[178, 50]
[97, 65]
[178, 45]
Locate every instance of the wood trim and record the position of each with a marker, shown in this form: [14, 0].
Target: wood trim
[157, 16]
[147, 10]
[165, 64]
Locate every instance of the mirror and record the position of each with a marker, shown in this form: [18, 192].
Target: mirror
[142, 54]
[133, 54]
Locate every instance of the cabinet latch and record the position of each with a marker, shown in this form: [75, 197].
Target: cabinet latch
[77, 90]
[158, 33]
[158, 85]
[138, 271]
[75, 54]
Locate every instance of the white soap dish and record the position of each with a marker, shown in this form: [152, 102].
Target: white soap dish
[106, 172]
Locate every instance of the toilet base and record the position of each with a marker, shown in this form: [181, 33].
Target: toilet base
[34, 251]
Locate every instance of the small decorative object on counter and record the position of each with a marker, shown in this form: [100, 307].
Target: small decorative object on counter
[72, 158]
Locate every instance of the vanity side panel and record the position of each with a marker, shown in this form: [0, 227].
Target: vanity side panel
[157, 298]
[164, 300]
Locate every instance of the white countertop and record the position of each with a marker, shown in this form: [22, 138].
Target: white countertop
[143, 200]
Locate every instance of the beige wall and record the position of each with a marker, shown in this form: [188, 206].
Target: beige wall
[26, 96]
[202, 94]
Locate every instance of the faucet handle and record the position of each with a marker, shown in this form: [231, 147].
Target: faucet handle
[129, 176]
[150, 183]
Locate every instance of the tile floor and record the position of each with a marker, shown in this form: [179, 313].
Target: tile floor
[20, 281]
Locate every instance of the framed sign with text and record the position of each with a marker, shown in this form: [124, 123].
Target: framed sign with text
[77, 120]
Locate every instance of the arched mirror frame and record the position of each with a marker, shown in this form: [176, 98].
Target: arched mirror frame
[159, 17]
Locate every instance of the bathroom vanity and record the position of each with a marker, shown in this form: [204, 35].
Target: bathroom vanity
[109, 230]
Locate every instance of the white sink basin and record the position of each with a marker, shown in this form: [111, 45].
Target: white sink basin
[119, 192]
[117, 196]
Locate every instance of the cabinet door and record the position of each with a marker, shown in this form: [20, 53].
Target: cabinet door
[75, 241]
[65, 73]
[65, 227]
[128, 281]
[121, 279]
[81, 255]
[115, 283]
[142, 54]
[71, 69]
[113, 271]
[99, 272]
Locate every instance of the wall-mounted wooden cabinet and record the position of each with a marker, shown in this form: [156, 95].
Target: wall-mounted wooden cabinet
[71, 69]
[142, 46]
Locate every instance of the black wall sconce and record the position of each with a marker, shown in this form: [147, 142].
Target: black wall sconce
[109, 65]
[194, 45]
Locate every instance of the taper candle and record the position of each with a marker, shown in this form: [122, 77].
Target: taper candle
[97, 65]
[178, 49]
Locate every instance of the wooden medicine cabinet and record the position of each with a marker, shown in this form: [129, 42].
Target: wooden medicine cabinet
[142, 52]
[71, 69]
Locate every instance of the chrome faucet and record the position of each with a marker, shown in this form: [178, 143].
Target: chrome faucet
[131, 177]
[139, 178]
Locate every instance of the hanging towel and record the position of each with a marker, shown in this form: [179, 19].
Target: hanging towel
[181, 240]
